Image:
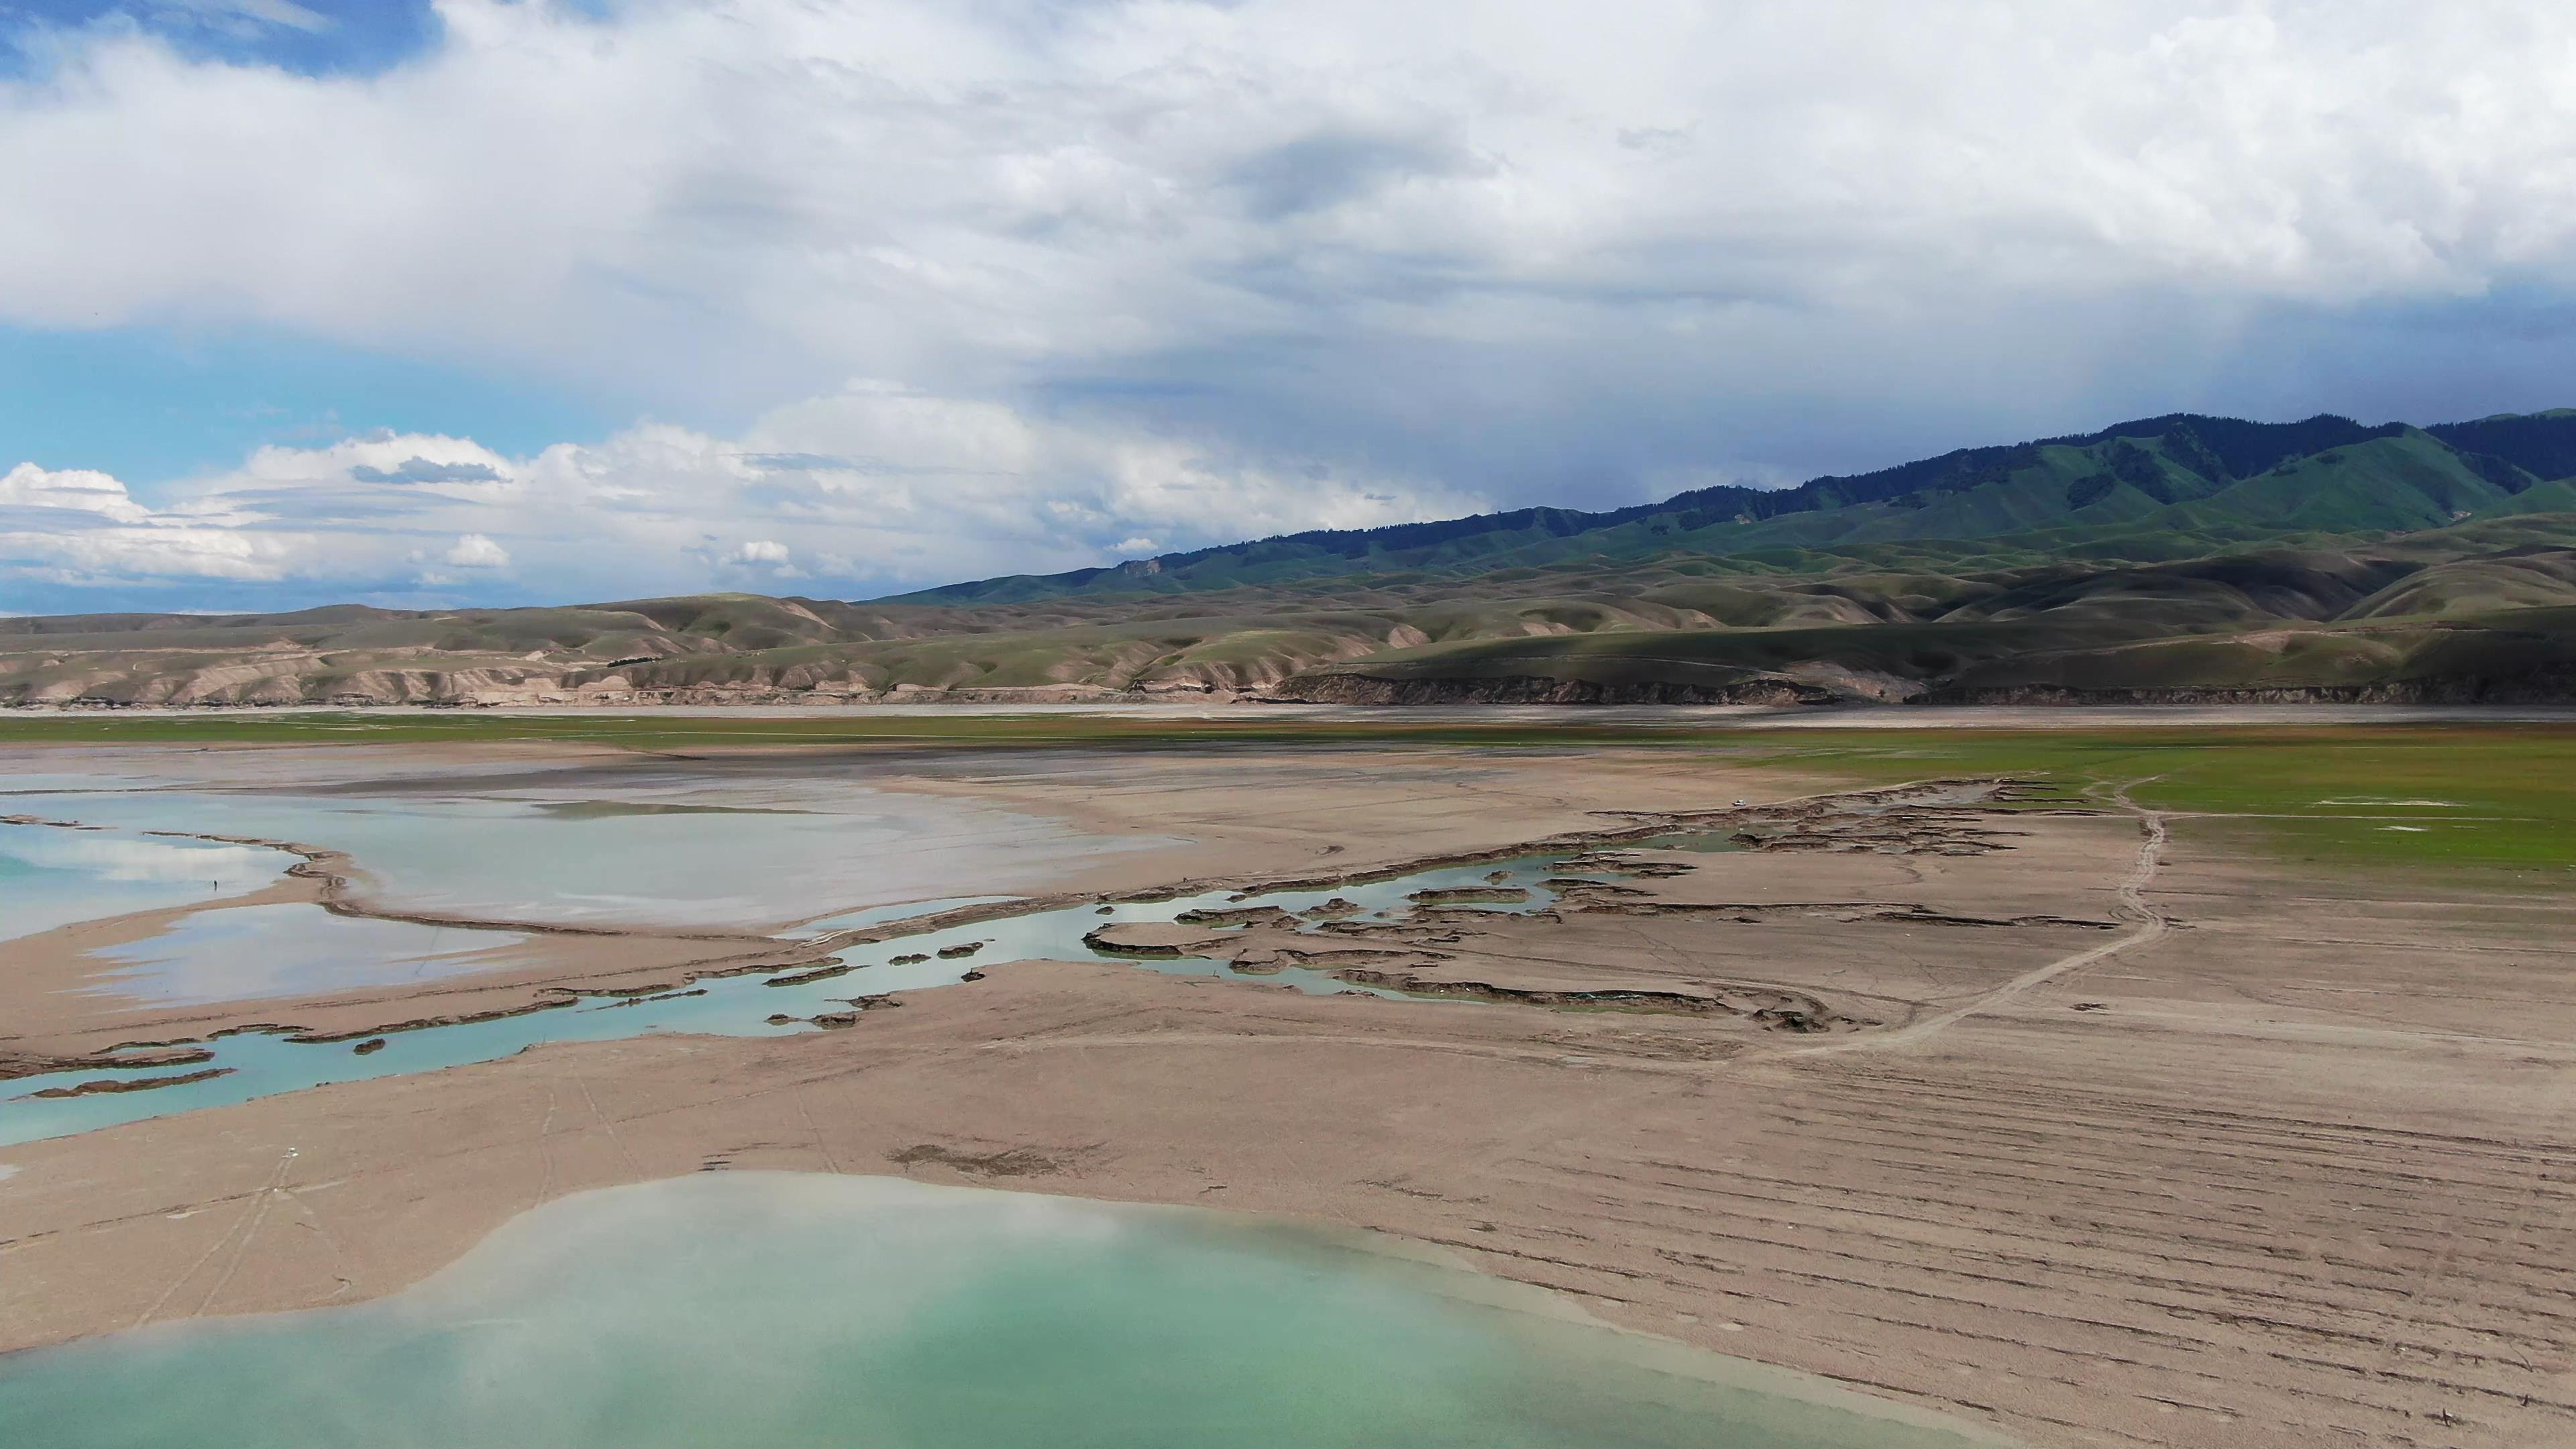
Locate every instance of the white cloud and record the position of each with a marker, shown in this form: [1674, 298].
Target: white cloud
[76, 489]
[931, 191]
[406, 470]
[78, 526]
[882, 487]
[125, 556]
[1141, 270]
[475, 551]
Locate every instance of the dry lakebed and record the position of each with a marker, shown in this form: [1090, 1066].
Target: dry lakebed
[1676, 1084]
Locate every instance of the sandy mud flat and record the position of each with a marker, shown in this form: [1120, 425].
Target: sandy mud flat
[2072, 1118]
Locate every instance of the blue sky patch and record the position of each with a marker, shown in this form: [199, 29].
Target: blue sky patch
[310, 37]
[149, 404]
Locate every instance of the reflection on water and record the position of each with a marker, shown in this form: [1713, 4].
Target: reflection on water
[668, 850]
[259, 1064]
[243, 952]
[51, 876]
[770, 1310]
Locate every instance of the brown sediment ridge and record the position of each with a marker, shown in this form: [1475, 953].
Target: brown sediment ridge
[1254, 939]
[327, 867]
[1618, 901]
[1469, 895]
[223, 1018]
[1782, 1010]
[324, 878]
[1928, 793]
[131, 1056]
[303, 1037]
[793, 978]
[131, 1084]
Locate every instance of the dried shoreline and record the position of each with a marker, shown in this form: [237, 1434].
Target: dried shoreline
[2145, 1140]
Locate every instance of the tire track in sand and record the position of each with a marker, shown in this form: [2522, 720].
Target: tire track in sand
[2152, 925]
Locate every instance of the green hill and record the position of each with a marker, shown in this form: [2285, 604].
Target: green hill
[2159, 488]
[2179, 557]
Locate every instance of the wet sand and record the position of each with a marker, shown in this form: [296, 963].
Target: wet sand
[2088, 1125]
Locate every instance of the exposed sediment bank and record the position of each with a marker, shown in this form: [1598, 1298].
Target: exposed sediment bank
[2071, 1179]
[1413, 930]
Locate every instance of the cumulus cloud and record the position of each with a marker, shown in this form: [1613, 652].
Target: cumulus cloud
[952, 488]
[76, 489]
[475, 551]
[421, 470]
[75, 527]
[149, 555]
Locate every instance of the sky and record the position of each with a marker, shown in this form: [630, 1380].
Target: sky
[434, 303]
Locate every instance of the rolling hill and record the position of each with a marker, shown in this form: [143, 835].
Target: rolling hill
[2171, 558]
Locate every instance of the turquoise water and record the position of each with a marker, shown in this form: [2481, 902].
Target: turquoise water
[242, 953]
[782, 1311]
[262, 1063]
[52, 876]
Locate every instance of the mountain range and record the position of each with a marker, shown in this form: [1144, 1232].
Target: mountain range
[2182, 557]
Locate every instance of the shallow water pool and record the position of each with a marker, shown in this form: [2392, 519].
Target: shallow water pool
[52, 876]
[243, 953]
[770, 1310]
[665, 850]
